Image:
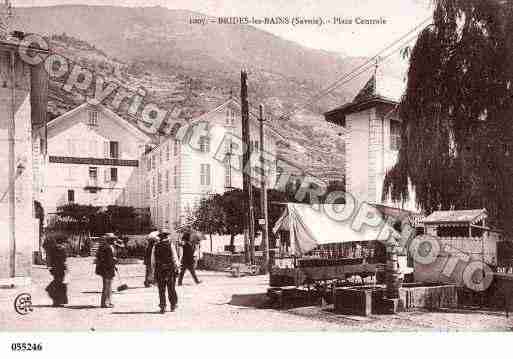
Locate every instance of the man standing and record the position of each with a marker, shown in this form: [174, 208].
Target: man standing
[57, 289]
[166, 268]
[106, 267]
[152, 238]
[188, 258]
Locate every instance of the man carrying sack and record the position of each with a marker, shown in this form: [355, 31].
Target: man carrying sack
[106, 266]
[152, 238]
[166, 269]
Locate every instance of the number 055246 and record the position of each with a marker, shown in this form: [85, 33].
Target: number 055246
[26, 347]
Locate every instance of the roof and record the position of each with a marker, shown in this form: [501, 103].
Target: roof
[470, 216]
[378, 89]
[123, 122]
[252, 116]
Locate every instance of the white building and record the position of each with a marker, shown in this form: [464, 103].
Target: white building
[22, 106]
[206, 159]
[94, 158]
[373, 138]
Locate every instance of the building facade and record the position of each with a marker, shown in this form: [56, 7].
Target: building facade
[22, 102]
[94, 158]
[372, 140]
[203, 158]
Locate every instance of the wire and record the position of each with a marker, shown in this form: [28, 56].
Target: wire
[365, 67]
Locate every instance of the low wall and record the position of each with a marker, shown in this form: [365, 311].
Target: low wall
[498, 296]
[430, 297]
[223, 261]
[371, 300]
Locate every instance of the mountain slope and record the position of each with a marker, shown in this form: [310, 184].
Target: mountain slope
[155, 48]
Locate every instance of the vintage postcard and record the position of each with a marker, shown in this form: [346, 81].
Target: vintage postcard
[219, 165]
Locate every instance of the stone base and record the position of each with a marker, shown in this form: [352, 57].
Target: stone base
[391, 305]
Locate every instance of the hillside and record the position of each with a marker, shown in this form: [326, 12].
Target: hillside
[157, 49]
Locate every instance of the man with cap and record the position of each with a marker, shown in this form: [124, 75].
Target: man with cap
[166, 269]
[189, 241]
[152, 238]
[106, 266]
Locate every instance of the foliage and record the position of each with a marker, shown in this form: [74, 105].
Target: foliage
[225, 213]
[457, 131]
[95, 220]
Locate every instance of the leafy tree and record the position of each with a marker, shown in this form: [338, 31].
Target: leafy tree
[209, 216]
[457, 130]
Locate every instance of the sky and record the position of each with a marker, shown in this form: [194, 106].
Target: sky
[355, 40]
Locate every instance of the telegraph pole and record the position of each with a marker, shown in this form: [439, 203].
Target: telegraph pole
[263, 196]
[249, 228]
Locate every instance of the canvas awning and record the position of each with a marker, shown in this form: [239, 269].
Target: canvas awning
[310, 227]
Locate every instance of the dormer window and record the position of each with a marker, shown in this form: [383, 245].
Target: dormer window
[93, 118]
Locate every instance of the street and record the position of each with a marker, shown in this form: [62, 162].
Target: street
[221, 302]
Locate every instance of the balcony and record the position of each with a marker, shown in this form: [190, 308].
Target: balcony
[92, 186]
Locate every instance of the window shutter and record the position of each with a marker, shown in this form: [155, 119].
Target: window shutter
[106, 174]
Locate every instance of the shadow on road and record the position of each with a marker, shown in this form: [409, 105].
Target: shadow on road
[135, 312]
[66, 306]
[254, 300]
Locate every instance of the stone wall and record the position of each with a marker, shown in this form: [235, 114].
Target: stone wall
[223, 261]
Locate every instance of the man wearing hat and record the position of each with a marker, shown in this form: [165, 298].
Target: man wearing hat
[153, 237]
[106, 266]
[166, 269]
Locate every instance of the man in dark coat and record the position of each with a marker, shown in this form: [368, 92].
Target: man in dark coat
[106, 267]
[188, 249]
[166, 269]
[57, 289]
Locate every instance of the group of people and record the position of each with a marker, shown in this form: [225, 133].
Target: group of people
[163, 266]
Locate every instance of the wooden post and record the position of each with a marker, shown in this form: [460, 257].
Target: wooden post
[263, 198]
[246, 170]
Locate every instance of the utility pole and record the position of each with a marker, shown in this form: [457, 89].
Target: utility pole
[263, 197]
[249, 228]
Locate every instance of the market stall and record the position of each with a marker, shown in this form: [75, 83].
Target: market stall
[320, 248]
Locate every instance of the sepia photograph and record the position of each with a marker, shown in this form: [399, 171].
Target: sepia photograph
[239, 166]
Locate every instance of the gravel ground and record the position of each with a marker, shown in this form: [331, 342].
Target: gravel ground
[219, 303]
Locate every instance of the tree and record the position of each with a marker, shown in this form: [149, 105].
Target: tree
[209, 217]
[457, 130]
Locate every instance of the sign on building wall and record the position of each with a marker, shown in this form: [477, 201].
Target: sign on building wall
[94, 161]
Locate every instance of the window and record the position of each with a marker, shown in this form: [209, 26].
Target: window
[205, 174]
[395, 135]
[227, 172]
[160, 156]
[159, 182]
[167, 180]
[71, 172]
[148, 163]
[153, 189]
[114, 174]
[148, 188]
[93, 152]
[114, 149]
[71, 147]
[93, 173]
[176, 147]
[175, 177]
[167, 151]
[93, 118]
[204, 144]
[71, 196]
